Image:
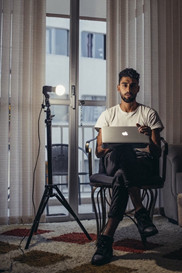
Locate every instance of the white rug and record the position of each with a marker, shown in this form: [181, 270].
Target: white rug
[165, 256]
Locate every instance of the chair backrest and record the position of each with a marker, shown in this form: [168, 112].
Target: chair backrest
[59, 159]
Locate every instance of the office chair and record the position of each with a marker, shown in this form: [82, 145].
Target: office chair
[101, 186]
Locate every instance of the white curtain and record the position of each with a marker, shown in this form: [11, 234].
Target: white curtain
[22, 55]
[147, 35]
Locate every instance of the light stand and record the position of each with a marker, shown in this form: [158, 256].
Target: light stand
[48, 192]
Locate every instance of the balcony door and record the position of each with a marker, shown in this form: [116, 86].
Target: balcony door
[76, 60]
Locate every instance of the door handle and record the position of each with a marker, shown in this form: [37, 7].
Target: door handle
[73, 97]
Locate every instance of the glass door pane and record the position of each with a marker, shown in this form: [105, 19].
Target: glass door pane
[92, 62]
[57, 73]
[76, 114]
[92, 96]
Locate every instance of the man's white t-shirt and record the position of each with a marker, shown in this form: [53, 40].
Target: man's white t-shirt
[144, 115]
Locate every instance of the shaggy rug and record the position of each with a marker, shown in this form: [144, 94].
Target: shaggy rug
[63, 247]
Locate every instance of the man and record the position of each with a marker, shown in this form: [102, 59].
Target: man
[129, 166]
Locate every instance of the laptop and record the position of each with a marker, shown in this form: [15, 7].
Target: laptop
[115, 135]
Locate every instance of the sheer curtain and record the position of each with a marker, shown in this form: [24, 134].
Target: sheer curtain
[147, 35]
[22, 57]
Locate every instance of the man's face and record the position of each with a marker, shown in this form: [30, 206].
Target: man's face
[128, 89]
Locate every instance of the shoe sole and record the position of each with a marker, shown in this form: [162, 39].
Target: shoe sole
[100, 263]
[149, 234]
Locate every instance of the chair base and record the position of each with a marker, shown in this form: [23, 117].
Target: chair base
[101, 199]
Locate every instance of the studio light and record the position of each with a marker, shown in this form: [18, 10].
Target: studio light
[59, 90]
[51, 189]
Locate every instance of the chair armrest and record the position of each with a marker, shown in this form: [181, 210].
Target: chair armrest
[165, 146]
[88, 150]
[87, 145]
[164, 157]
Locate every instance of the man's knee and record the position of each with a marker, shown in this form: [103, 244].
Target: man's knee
[123, 180]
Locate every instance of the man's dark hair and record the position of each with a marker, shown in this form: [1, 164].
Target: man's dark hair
[129, 72]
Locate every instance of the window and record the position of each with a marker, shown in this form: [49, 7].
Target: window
[57, 41]
[93, 45]
[60, 113]
[90, 114]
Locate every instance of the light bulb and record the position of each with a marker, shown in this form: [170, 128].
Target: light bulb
[60, 90]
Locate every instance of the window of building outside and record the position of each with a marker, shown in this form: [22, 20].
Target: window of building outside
[93, 45]
[57, 41]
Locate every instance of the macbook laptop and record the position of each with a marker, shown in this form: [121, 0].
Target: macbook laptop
[115, 135]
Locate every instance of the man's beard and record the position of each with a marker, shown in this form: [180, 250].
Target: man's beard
[128, 100]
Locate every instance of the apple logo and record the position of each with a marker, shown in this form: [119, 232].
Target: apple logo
[125, 133]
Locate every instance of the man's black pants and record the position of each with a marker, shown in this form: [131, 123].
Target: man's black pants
[130, 168]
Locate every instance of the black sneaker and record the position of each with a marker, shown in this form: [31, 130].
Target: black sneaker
[145, 225]
[104, 250]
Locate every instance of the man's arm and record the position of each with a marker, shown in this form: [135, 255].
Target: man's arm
[100, 151]
[155, 141]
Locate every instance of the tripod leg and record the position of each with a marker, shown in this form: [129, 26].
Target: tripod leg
[63, 201]
[41, 208]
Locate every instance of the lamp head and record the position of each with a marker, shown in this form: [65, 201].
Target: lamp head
[59, 90]
[46, 89]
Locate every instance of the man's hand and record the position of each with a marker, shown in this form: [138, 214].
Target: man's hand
[100, 152]
[146, 130]
[155, 142]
